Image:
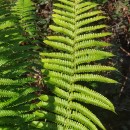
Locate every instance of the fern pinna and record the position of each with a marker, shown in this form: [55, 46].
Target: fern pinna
[77, 32]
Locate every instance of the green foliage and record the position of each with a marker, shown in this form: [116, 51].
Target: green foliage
[73, 63]
[16, 64]
[77, 46]
[25, 10]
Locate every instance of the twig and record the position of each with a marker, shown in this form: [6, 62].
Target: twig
[125, 51]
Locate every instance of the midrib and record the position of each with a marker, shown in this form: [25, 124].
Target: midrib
[69, 110]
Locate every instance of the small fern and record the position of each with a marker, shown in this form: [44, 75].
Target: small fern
[77, 33]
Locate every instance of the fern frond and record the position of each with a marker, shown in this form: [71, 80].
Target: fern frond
[16, 92]
[24, 10]
[76, 42]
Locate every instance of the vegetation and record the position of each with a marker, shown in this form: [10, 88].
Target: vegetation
[57, 84]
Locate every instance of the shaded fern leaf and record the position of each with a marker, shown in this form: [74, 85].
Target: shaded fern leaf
[16, 92]
[25, 9]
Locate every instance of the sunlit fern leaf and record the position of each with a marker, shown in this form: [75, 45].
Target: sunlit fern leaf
[77, 35]
[47, 101]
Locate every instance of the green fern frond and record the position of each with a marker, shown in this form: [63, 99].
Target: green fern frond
[77, 35]
[24, 10]
[16, 91]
